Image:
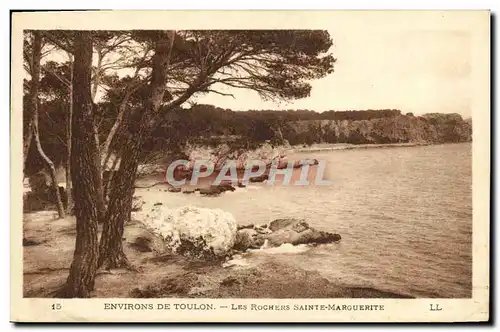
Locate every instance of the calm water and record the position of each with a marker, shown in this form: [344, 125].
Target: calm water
[404, 214]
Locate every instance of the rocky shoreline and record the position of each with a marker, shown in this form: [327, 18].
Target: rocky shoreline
[48, 246]
[212, 234]
[205, 275]
[281, 232]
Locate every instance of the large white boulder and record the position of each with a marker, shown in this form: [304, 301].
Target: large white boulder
[193, 231]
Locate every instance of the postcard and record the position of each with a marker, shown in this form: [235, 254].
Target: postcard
[250, 166]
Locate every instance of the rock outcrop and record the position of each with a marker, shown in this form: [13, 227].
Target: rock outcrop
[279, 232]
[223, 151]
[147, 240]
[212, 234]
[428, 128]
[194, 232]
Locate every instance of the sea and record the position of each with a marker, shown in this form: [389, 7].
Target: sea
[404, 215]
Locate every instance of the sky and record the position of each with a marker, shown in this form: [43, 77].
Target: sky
[414, 62]
[415, 71]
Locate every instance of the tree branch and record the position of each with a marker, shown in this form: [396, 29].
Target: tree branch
[60, 78]
[54, 40]
[119, 119]
[219, 93]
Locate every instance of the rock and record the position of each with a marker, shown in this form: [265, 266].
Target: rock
[262, 230]
[305, 162]
[243, 241]
[282, 223]
[312, 236]
[300, 226]
[282, 231]
[248, 239]
[309, 236]
[142, 244]
[216, 190]
[188, 191]
[174, 190]
[194, 232]
[245, 226]
[157, 204]
[212, 191]
[146, 240]
[297, 231]
[226, 187]
[427, 128]
[261, 178]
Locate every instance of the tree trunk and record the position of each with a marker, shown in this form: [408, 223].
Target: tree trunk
[85, 175]
[27, 141]
[105, 151]
[35, 78]
[101, 203]
[69, 191]
[119, 207]
[97, 75]
[122, 186]
[109, 178]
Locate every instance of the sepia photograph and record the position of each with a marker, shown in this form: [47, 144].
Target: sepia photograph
[326, 167]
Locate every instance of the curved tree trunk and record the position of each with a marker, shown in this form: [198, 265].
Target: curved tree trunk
[105, 150]
[27, 140]
[122, 186]
[37, 53]
[85, 175]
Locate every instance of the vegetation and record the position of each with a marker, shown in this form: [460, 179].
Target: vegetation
[208, 125]
[142, 77]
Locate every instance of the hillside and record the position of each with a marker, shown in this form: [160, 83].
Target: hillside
[430, 128]
[183, 131]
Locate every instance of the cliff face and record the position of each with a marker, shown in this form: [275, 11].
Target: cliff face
[224, 152]
[429, 128]
[433, 128]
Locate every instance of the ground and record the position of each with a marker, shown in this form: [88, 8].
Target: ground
[48, 250]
